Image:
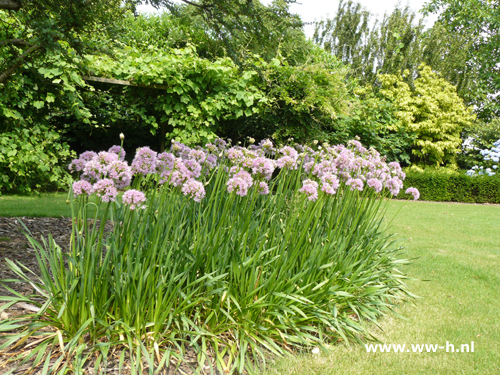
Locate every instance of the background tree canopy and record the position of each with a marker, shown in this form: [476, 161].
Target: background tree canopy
[75, 75]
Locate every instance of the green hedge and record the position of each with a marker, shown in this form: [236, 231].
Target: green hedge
[457, 187]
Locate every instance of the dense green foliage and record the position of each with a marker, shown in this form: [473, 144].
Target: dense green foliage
[433, 111]
[229, 276]
[454, 187]
[477, 137]
[479, 20]
[397, 42]
[30, 159]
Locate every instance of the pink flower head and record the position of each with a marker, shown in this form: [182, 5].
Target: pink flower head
[237, 185]
[194, 189]
[263, 188]
[263, 167]
[134, 199]
[118, 150]
[245, 176]
[290, 152]
[375, 184]
[330, 179]
[310, 188]
[94, 171]
[106, 190]
[87, 155]
[287, 162]
[394, 185]
[198, 155]
[120, 173]
[106, 158]
[144, 161]
[355, 184]
[194, 167]
[81, 187]
[77, 165]
[211, 161]
[413, 191]
[235, 155]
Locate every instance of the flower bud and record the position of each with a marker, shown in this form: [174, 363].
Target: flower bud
[251, 140]
[122, 136]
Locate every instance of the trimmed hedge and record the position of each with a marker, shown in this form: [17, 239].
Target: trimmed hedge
[454, 187]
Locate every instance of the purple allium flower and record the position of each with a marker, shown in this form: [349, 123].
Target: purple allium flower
[211, 147]
[81, 187]
[105, 189]
[263, 167]
[194, 167]
[375, 184]
[106, 158]
[164, 162]
[237, 185]
[330, 179]
[245, 176]
[289, 151]
[120, 173]
[235, 155]
[355, 183]
[88, 155]
[134, 199]
[118, 150]
[287, 162]
[94, 171]
[263, 188]
[77, 165]
[198, 155]
[144, 161]
[413, 191]
[310, 188]
[211, 161]
[394, 185]
[194, 189]
[328, 189]
[220, 143]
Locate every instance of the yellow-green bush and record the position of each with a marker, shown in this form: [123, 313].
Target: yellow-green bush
[433, 111]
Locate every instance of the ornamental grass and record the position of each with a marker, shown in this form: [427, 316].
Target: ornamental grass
[236, 253]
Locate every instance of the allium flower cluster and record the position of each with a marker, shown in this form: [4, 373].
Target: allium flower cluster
[310, 188]
[414, 192]
[194, 189]
[134, 199]
[105, 189]
[144, 162]
[118, 150]
[82, 187]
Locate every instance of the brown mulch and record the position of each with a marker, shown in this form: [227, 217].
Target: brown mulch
[15, 246]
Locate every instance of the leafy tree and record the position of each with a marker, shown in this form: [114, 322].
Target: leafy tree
[480, 20]
[33, 28]
[433, 111]
[396, 43]
[478, 136]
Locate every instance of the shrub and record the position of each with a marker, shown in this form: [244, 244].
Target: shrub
[32, 159]
[454, 187]
[217, 255]
[477, 137]
[433, 111]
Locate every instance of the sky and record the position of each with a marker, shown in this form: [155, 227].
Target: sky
[315, 10]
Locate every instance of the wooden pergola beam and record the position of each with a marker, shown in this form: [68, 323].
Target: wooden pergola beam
[121, 82]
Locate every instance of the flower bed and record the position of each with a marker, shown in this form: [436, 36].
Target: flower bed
[238, 253]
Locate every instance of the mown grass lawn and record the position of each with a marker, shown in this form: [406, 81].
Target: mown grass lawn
[456, 258]
[455, 252]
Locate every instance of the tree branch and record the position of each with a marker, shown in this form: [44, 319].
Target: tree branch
[15, 42]
[18, 62]
[10, 5]
[193, 4]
